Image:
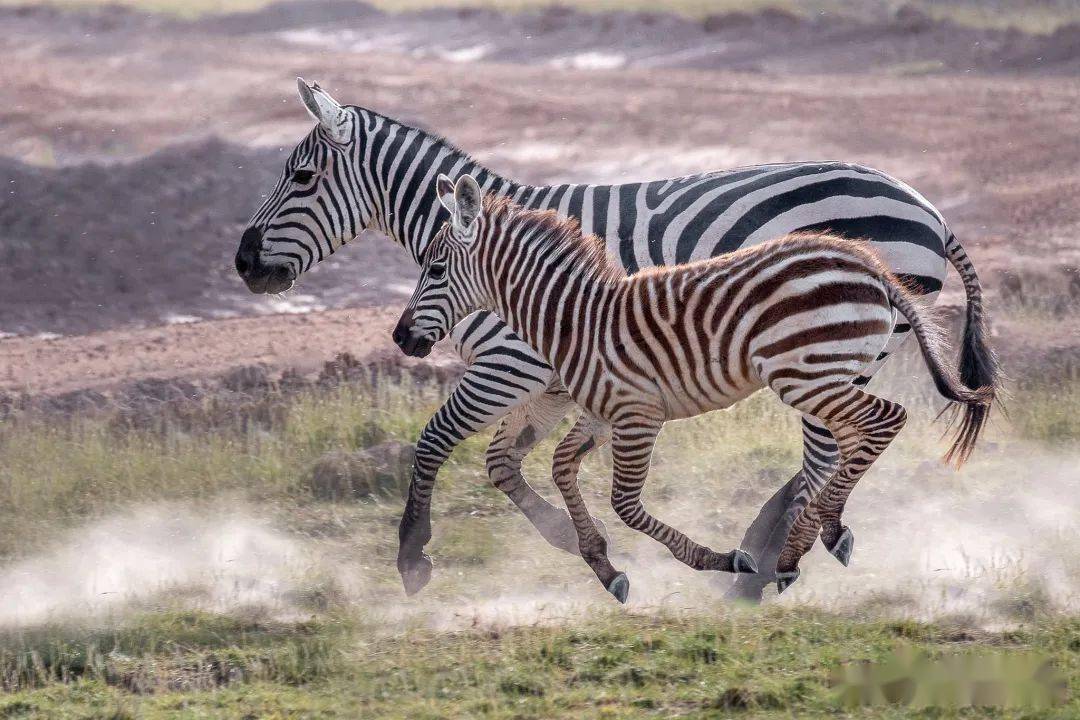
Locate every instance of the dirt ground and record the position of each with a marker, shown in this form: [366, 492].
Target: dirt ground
[135, 149]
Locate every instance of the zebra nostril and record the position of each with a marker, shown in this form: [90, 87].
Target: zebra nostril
[247, 254]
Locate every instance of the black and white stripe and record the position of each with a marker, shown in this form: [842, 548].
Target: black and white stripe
[370, 171]
[802, 315]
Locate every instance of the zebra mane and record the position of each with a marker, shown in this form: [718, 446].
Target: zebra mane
[434, 136]
[546, 227]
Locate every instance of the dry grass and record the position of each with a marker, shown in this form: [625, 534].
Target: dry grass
[508, 626]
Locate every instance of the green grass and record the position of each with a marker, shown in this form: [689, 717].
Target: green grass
[508, 627]
[179, 649]
[55, 474]
[745, 663]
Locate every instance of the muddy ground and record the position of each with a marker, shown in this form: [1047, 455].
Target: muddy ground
[134, 148]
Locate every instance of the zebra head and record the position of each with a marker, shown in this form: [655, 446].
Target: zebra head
[317, 205]
[447, 289]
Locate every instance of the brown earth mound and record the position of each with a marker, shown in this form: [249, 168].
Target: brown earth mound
[93, 246]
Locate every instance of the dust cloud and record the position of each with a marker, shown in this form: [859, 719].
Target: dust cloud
[994, 544]
[213, 560]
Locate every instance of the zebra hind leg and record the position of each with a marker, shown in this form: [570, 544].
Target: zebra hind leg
[520, 432]
[864, 425]
[766, 535]
[586, 436]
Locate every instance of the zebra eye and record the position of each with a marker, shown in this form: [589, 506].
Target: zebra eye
[437, 271]
[302, 177]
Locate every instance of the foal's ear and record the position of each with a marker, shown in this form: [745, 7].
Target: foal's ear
[445, 187]
[326, 110]
[467, 199]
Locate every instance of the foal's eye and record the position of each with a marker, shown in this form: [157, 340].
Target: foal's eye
[437, 271]
[302, 177]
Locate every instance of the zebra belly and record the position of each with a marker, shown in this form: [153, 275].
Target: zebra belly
[680, 404]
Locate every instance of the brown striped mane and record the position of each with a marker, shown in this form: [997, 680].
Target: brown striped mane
[545, 226]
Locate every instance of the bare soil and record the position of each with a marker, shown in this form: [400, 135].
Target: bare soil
[136, 147]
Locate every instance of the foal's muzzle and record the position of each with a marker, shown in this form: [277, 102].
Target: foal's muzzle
[411, 344]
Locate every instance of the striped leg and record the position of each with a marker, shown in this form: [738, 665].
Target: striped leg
[586, 436]
[863, 425]
[631, 449]
[501, 376]
[767, 533]
[518, 434]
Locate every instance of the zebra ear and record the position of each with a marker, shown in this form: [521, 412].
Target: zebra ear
[467, 200]
[326, 110]
[445, 187]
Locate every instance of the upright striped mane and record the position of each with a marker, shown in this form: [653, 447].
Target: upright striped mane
[546, 227]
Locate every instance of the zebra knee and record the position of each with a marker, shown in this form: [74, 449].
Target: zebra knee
[430, 456]
[504, 470]
[899, 418]
[630, 511]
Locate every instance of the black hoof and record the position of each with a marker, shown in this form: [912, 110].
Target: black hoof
[743, 562]
[785, 579]
[620, 587]
[843, 547]
[416, 574]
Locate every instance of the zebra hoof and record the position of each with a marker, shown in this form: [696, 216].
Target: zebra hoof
[785, 579]
[743, 562]
[620, 587]
[416, 575]
[843, 547]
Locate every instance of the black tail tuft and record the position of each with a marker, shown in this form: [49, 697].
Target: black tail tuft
[978, 363]
[978, 368]
[976, 401]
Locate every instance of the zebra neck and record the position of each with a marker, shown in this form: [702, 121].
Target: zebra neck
[543, 295]
[404, 164]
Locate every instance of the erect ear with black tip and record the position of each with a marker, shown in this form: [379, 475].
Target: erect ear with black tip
[326, 110]
[467, 198]
[445, 187]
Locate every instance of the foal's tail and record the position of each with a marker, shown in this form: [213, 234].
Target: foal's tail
[975, 384]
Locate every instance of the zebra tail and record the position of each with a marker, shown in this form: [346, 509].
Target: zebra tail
[978, 361]
[975, 402]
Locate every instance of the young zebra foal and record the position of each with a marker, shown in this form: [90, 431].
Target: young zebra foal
[801, 315]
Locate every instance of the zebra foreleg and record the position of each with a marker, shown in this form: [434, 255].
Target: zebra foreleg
[414, 530]
[518, 434]
[482, 396]
[586, 436]
[631, 450]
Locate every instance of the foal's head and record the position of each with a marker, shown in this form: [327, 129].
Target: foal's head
[448, 288]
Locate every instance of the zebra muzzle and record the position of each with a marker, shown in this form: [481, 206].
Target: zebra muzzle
[410, 343]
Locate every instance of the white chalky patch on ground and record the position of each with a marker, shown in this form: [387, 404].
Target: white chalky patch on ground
[593, 60]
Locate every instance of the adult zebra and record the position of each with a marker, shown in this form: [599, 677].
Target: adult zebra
[360, 170]
[801, 315]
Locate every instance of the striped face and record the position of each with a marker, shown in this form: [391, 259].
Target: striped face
[448, 288]
[316, 206]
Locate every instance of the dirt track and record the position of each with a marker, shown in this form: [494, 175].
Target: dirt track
[101, 361]
[114, 246]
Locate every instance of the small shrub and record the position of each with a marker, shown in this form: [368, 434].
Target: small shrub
[382, 470]
[521, 685]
